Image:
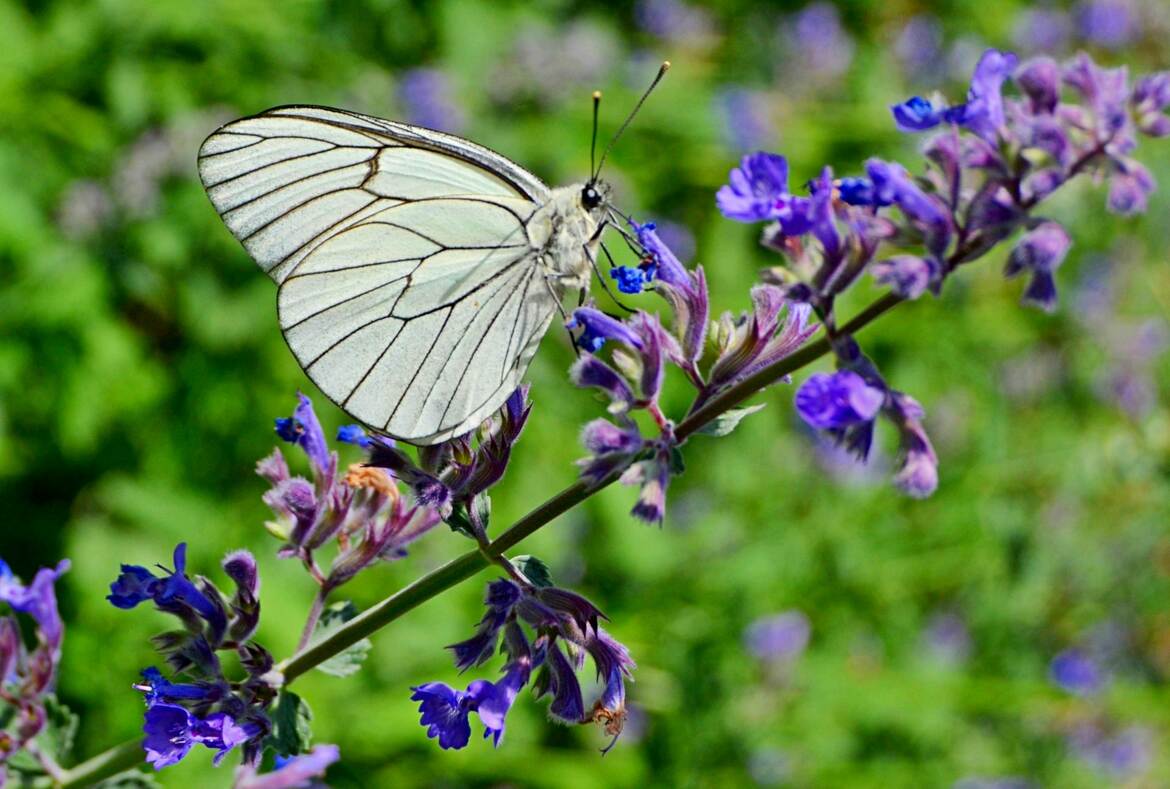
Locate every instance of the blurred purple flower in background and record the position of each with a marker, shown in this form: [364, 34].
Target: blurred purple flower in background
[780, 638]
[947, 639]
[919, 44]
[1108, 23]
[673, 20]
[1075, 671]
[427, 99]
[1123, 755]
[814, 42]
[1043, 30]
[745, 116]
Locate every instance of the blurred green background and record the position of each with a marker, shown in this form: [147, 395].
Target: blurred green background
[141, 366]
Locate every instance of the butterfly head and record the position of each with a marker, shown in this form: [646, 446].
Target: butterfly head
[595, 196]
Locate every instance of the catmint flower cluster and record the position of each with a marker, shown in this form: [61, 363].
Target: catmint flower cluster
[993, 160]
[208, 709]
[27, 676]
[363, 512]
[713, 356]
[565, 629]
[451, 478]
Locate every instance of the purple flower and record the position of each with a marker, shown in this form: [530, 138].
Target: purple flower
[654, 477]
[171, 732]
[444, 710]
[294, 773]
[591, 372]
[916, 114]
[1123, 755]
[303, 429]
[782, 637]
[425, 94]
[612, 448]
[630, 279]
[892, 184]
[838, 400]
[158, 689]
[1130, 187]
[984, 110]
[672, 20]
[1040, 252]
[919, 45]
[775, 328]
[38, 600]
[1039, 79]
[858, 191]
[667, 266]
[686, 291]
[756, 188]
[745, 116]
[1042, 30]
[354, 434]
[907, 275]
[918, 475]
[1109, 23]
[1076, 672]
[175, 594]
[818, 42]
[597, 327]
[502, 597]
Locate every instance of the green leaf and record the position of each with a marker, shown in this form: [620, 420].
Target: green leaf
[60, 729]
[677, 465]
[292, 720]
[131, 779]
[348, 661]
[533, 569]
[727, 421]
[459, 520]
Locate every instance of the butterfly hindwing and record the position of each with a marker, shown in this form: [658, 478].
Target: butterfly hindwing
[410, 291]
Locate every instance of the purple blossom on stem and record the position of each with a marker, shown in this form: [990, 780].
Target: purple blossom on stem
[298, 771]
[564, 623]
[757, 188]
[838, 400]
[1040, 252]
[28, 676]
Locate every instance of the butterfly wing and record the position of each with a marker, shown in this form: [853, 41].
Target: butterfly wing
[409, 289]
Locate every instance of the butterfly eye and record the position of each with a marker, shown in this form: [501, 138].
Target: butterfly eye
[590, 198]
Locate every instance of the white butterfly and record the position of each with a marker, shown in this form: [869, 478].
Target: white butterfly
[418, 271]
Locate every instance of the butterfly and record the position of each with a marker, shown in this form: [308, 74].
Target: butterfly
[417, 271]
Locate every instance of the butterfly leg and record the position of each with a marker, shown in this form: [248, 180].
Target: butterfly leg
[561, 308]
[601, 279]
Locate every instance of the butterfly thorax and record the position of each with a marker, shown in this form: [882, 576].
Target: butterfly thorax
[561, 229]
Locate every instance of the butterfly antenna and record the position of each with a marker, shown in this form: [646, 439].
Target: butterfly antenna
[658, 78]
[593, 142]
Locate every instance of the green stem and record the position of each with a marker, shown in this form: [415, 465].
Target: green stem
[434, 583]
[116, 760]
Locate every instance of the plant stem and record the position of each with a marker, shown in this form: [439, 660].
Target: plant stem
[111, 762]
[313, 618]
[434, 583]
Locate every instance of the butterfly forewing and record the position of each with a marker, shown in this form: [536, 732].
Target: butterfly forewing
[410, 292]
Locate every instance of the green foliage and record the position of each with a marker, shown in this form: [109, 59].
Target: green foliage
[350, 660]
[728, 421]
[292, 725]
[534, 570]
[141, 366]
